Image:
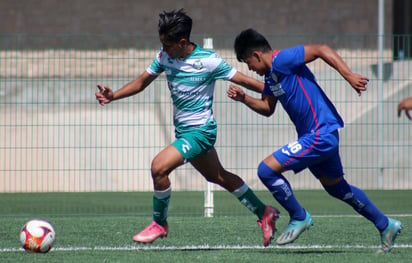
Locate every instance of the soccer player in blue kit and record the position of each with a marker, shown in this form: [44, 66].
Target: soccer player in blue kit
[289, 81]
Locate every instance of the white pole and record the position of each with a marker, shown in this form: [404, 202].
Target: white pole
[209, 203]
[381, 32]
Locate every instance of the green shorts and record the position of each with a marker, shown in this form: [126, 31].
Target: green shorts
[193, 141]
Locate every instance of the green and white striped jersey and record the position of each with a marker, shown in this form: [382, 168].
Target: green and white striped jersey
[191, 83]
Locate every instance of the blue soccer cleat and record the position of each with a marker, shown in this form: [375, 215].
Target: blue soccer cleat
[294, 229]
[389, 235]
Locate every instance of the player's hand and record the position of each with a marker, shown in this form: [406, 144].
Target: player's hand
[406, 105]
[358, 83]
[104, 95]
[236, 93]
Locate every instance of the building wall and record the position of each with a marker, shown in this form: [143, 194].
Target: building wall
[210, 16]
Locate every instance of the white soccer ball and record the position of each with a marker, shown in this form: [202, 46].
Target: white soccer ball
[37, 235]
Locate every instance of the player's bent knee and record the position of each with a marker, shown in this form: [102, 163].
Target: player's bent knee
[270, 177]
[326, 181]
[158, 170]
[265, 173]
[339, 190]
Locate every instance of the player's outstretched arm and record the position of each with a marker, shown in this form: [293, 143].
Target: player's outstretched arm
[264, 106]
[314, 51]
[405, 105]
[248, 82]
[106, 95]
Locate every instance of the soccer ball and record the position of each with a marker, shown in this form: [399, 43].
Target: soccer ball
[37, 235]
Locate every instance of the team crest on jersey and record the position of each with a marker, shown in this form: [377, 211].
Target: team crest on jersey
[198, 64]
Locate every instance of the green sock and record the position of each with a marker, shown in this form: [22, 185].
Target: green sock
[161, 205]
[248, 198]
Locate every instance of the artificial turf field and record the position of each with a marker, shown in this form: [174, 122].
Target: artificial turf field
[98, 227]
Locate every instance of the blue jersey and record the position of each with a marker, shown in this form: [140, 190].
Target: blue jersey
[294, 85]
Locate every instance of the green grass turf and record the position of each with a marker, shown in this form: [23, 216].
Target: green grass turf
[182, 203]
[97, 227]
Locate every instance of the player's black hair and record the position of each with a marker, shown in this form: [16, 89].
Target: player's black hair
[175, 25]
[250, 40]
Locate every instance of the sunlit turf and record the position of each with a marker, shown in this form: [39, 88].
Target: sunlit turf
[98, 227]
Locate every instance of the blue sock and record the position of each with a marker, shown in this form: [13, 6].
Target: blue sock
[281, 191]
[356, 198]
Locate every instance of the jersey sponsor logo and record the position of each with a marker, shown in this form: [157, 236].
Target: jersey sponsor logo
[277, 89]
[177, 91]
[187, 93]
[197, 79]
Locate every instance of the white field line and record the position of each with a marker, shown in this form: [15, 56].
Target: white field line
[216, 247]
[206, 247]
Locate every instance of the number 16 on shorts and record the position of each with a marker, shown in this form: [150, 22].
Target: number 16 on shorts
[293, 147]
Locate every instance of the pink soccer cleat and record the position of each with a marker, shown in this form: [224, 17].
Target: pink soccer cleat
[267, 223]
[151, 233]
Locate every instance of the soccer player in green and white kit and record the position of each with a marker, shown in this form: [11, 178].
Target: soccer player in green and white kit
[191, 75]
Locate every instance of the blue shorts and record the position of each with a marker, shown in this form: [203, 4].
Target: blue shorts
[318, 153]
